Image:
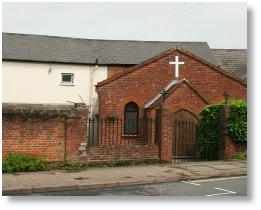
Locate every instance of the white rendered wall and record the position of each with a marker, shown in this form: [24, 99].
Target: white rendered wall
[28, 82]
[98, 75]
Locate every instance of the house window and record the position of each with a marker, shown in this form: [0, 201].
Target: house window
[131, 118]
[67, 78]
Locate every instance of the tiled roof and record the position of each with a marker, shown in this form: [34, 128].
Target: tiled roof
[38, 106]
[153, 100]
[39, 48]
[85, 51]
[172, 86]
[233, 61]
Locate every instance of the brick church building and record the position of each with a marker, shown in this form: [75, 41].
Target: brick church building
[190, 83]
[175, 81]
[136, 83]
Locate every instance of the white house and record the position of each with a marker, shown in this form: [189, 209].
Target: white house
[40, 69]
[51, 83]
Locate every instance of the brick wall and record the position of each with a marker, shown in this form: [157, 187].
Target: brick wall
[54, 134]
[232, 148]
[115, 69]
[229, 148]
[123, 152]
[240, 147]
[184, 97]
[60, 135]
[146, 81]
[33, 136]
[165, 133]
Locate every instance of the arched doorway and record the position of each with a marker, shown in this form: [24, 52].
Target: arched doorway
[185, 136]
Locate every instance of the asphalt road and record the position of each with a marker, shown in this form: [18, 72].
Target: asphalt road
[230, 186]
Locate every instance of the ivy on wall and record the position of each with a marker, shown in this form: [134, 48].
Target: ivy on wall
[209, 132]
[209, 122]
[238, 120]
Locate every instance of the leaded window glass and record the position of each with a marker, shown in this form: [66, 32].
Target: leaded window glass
[131, 118]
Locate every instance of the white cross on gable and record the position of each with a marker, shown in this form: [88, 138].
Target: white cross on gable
[176, 62]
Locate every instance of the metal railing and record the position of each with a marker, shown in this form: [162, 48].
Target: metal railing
[189, 146]
[120, 131]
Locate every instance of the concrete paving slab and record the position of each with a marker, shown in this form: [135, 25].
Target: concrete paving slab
[120, 176]
[197, 169]
[224, 166]
[54, 188]
[168, 179]
[13, 191]
[135, 182]
[29, 182]
[84, 186]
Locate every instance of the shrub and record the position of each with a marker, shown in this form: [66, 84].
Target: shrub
[17, 162]
[240, 156]
[75, 166]
[210, 115]
[238, 120]
[209, 125]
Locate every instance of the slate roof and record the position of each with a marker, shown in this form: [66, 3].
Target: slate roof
[233, 61]
[85, 51]
[153, 100]
[172, 86]
[37, 106]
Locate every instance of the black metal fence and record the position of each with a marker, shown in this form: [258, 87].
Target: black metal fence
[120, 131]
[209, 142]
[189, 146]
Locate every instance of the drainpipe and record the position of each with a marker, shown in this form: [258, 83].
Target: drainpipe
[92, 71]
[91, 87]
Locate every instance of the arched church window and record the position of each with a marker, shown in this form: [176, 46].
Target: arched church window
[131, 118]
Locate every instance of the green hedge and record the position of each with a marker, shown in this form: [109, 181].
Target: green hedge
[209, 125]
[210, 115]
[238, 120]
[17, 162]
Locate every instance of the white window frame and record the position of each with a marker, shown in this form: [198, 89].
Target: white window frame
[66, 82]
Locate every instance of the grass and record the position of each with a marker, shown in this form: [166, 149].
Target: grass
[83, 166]
[16, 162]
[115, 163]
[240, 156]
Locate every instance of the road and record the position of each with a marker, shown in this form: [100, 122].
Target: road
[230, 186]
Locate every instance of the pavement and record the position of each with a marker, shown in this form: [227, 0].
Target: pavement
[94, 178]
[224, 186]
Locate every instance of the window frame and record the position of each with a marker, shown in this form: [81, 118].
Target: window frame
[137, 119]
[66, 82]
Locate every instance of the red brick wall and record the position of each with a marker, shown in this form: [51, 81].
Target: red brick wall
[146, 82]
[209, 82]
[59, 137]
[184, 97]
[166, 133]
[240, 147]
[55, 135]
[75, 135]
[229, 148]
[34, 137]
[124, 152]
[112, 70]
[232, 148]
